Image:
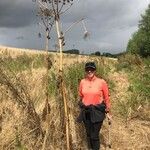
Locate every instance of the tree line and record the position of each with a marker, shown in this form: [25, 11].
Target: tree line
[140, 41]
[96, 53]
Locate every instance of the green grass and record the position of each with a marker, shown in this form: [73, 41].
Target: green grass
[24, 62]
[138, 71]
[72, 77]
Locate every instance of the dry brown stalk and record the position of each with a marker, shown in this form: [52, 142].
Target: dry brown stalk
[52, 9]
[62, 85]
[66, 115]
[47, 131]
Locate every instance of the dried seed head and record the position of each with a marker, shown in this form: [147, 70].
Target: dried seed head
[49, 1]
[39, 35]
[46, 12]
[44, 1]
[49, 63]
[64, 2]
[86, 34]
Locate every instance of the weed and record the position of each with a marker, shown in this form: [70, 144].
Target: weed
[139, 78]
[72, 77]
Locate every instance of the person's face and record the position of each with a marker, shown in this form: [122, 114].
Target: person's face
[90, 72]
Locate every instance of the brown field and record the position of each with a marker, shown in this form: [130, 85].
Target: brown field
[20, 127]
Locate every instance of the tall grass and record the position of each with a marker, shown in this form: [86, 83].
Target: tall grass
[138, 71]
[128, 61]
[13, 69]
[15, 90]
[24, 62]
[72, 76]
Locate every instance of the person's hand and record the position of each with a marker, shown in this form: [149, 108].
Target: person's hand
[109, 116]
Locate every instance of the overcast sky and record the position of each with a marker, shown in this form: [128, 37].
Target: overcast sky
[110, 23]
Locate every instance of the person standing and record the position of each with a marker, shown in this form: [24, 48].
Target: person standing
[94, 103]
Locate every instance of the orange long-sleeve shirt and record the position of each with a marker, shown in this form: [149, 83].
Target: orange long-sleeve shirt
[94, 92]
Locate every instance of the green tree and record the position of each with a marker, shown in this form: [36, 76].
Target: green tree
[140, 41]
[136, 43]
[97, 53]
[144, 26]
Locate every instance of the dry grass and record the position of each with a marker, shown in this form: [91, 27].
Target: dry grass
[15, 122]
[17, 109]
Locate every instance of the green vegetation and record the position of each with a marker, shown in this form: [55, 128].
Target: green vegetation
[72, 51]
[138, 71]
[38, 61]
[128, 61]
[24, 62]
[73, 75]
[140, 41]
[20, 63]
[52, 83]
[98, 53]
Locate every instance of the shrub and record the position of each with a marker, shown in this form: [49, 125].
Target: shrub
[128, 61]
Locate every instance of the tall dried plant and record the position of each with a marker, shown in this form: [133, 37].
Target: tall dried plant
[47, 21]
[52, 9]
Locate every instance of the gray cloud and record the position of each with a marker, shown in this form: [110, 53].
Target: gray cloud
[111, 14]
[16, 13]
[20, 37]
[110, 22]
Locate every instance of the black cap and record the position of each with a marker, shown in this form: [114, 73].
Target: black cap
[90, 65]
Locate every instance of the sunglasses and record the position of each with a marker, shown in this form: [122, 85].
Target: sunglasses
[89, 70]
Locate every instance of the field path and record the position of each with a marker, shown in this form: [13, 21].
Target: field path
[131, 135]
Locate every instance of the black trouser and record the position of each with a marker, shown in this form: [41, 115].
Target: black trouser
[92, 130]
